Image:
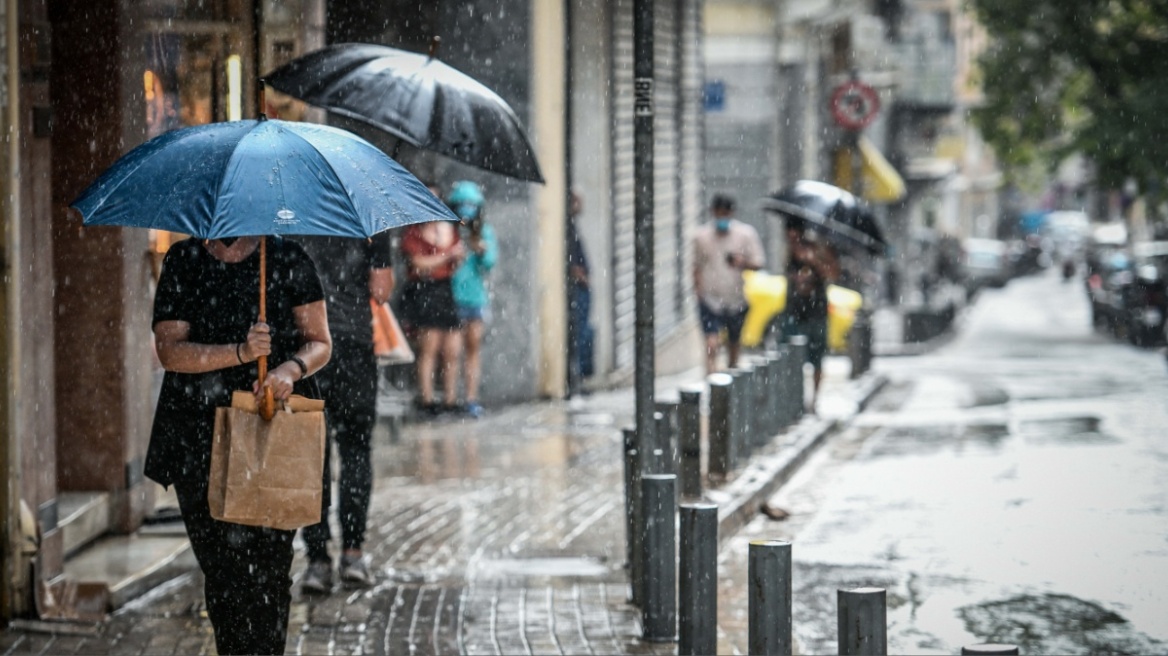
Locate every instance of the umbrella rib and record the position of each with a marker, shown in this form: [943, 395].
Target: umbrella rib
[327, 163]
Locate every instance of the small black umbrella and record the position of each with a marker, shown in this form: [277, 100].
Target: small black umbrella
[829, 210]
[416, 98]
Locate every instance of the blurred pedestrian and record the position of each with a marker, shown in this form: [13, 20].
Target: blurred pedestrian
[433, 252]
[352, 271]
[208, 341]
[811, 265]
[470, 284]
[580, 333]
[723, 249]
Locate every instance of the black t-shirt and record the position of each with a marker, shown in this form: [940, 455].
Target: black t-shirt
[220, 301]
[344, 264]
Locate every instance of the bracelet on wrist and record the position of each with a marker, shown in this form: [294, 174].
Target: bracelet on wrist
[301, 364]
[238, 355]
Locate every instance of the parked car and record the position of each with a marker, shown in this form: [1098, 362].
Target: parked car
[985, 264]
[1146, 296]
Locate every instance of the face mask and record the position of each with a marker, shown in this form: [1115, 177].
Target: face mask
[722, 225]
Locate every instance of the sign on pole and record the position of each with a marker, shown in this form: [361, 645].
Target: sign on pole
[854, 105]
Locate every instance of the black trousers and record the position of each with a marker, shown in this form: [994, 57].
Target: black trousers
[246, 576]
[348, 386]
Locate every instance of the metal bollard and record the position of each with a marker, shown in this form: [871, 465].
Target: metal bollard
[799, 356]
[738, 393]
[769, 577]
[666, 435]
[689, 441]
[863, 621]
[633, 522]
[860, 344]
[782, 394]
[698, 580]
[659, 612]
[764, 375]
[722, 447]
[991, 648]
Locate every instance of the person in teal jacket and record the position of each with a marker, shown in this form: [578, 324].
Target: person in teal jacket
[470, 286]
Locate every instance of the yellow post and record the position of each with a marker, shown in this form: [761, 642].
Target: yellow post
[549, 101]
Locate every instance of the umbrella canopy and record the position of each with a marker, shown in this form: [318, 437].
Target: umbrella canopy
[265, 177]
[416, 98]
[830, 210]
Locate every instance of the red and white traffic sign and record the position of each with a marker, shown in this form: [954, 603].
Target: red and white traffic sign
[854, 105]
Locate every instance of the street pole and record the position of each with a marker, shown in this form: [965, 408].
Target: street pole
[644, 373]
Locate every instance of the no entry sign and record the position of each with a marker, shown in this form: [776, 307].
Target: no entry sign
[854, 105]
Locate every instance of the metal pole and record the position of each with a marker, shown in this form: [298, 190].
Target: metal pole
[769, 597]
[689, 433]
[698, 581]
[987, 648]
[659, 612]
[645, 366]
[863, 622]
[782, 391]
[722, 452]
[634, 533]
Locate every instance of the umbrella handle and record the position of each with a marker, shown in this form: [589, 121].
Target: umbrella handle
[268, 403]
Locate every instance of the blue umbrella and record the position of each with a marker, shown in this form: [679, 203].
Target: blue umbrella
[258, 178]
[253, 178]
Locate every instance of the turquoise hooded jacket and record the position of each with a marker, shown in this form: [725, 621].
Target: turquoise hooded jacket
[469, 282]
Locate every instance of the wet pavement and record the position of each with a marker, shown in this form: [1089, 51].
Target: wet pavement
[498, 536]
[1011, 487]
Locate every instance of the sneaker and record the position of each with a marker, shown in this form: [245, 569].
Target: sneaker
[474, 410]
[355, 571]
[318, 578]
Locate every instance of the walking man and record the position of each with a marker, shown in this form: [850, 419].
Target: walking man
[723, 249]
[352, 271]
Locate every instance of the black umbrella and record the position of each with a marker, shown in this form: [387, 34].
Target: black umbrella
[416, 98]
[829, 210]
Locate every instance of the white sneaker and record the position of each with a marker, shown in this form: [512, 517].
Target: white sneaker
[318, 578]
[355, 571]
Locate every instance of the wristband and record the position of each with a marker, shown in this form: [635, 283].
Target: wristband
[237, 355]
[303, 367]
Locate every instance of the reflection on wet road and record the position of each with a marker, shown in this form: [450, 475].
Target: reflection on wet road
[1012, 487]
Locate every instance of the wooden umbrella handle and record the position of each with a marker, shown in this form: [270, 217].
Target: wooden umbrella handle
[268, 403]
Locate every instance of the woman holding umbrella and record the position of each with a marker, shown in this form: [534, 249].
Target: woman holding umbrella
[208, 342]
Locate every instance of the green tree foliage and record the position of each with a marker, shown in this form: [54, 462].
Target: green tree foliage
[1087, 76]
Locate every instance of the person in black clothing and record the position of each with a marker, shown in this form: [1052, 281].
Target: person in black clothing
[581, 360]
[352, 271]
[208, 340]
[811, 266]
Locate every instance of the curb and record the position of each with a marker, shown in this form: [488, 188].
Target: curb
[738, 501]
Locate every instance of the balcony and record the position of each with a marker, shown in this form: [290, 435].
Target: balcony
[927, 73]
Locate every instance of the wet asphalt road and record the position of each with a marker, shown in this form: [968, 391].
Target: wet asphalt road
[1010, 487]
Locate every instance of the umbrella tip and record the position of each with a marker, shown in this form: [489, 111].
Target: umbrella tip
[435, 42]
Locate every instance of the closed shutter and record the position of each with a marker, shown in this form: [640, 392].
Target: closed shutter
[665, 168]
[623, 303]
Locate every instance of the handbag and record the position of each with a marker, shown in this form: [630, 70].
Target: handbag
[389, 341]
[268, 473]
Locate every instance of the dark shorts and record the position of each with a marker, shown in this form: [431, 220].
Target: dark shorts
[429, 304]
[815, 330]
[714, 322]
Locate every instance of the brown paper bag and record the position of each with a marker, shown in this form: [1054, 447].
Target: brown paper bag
[268, 473]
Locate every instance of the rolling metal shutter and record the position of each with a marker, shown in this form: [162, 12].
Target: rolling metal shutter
[623, 306]
[691, 188]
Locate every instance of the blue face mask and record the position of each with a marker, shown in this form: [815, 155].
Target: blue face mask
[722, 225]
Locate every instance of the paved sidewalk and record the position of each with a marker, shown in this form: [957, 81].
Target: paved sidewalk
[498, 536]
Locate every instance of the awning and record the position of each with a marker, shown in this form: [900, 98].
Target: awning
[882, 184]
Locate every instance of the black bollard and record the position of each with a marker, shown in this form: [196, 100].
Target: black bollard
[722, 451]
[799, 357]
[666, 435]
[863, 622]
[698, 580]
[659, 612]
[689, 441]
[987, 648]
[769, 597]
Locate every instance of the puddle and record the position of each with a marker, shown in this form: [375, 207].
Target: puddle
[925, 440]
[1065, 431]
[1056, 624]
[566, 566]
